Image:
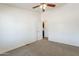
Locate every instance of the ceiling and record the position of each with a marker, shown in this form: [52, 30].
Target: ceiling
[30, 5]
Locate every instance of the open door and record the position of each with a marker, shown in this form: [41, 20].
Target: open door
[44, 31]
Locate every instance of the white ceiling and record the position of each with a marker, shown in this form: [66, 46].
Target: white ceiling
[30, 5]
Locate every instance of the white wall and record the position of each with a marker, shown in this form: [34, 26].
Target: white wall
[39, 28]
[63, 24]
[17, 27]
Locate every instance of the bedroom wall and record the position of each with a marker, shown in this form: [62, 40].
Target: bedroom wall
[63, 24]
[17, 27]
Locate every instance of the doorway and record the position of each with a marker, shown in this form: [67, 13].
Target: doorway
[44, 32]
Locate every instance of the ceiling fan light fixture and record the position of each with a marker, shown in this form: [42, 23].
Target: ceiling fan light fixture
[44, 6]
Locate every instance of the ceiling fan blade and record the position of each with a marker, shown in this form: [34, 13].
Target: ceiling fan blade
[51, 5]
[36, 6]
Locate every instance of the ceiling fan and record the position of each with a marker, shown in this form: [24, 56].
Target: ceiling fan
[43, 6]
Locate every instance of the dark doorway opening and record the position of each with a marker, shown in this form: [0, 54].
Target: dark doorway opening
[43, 32]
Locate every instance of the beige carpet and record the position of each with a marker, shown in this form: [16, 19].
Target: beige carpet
[44, 48]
